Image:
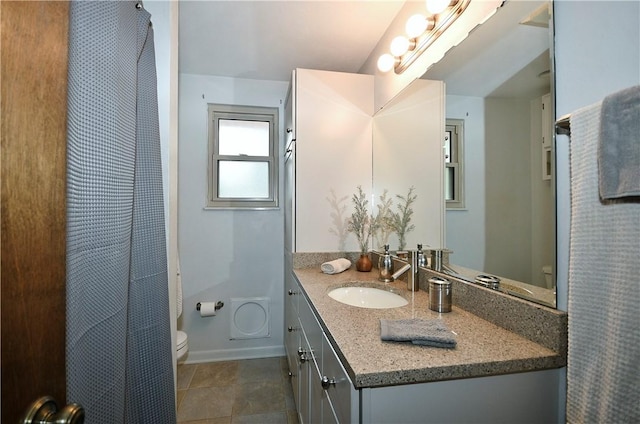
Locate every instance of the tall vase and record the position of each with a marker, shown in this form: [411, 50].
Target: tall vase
[364, 264]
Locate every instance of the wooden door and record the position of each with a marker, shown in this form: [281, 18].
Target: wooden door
[34, 98]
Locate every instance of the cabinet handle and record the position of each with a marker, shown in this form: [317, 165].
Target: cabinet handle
[291, 292]
[326, 382]
[290, 374]
[290, 329]
[303, 358]
[289, 130]
[300, 351]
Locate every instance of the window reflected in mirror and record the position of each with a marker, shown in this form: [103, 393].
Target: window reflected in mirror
[454, 164]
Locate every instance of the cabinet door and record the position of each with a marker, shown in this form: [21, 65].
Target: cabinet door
[309, 409]
[290, 106]
[547, 137]
[338, 388]
[290, 171]
[304, 404]
[547, 127]
[315, 394]
[292, 332]
[328, 414]
[311, 329]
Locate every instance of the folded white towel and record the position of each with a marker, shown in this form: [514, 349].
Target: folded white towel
[335, 266]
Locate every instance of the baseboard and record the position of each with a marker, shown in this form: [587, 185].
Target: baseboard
[233, 354]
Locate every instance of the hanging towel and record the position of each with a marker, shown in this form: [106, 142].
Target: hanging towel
[603, 370]
[426, 332]
[335, 266]
[178, 289]
[619, 145]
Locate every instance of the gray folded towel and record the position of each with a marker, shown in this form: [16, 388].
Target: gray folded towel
[427, 332]
[619, 145]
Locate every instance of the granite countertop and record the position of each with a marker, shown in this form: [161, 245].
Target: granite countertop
[483, 348]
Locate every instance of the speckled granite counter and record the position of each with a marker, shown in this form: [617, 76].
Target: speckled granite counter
[483, 348]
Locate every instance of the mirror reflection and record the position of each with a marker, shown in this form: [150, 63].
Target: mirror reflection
[498, 177]
[498, 93]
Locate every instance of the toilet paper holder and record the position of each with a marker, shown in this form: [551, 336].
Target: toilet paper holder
[219, 305]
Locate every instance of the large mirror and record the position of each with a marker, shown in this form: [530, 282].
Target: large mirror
[500, 215]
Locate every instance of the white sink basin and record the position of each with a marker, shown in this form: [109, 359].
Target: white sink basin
[367, 297]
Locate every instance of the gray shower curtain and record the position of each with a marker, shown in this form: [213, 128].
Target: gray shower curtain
[118, 347]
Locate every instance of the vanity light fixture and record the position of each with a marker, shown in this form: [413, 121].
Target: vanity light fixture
[421, 32]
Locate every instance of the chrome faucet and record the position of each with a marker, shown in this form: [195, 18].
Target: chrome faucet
[401, 271]
[385, 266]
[414, 261]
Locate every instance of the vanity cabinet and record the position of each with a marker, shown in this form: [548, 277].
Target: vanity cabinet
[292, 334]
[322, 390]
[520, 391]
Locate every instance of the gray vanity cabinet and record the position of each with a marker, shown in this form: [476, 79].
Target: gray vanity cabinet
[323, 391]
[292, 333]
[327, 394]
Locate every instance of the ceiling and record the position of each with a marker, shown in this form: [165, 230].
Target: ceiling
[266, 40]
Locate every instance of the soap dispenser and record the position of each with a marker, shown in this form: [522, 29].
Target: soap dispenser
[385, 266]
[422, 260]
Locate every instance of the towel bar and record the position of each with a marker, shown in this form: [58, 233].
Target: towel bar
[563, 126]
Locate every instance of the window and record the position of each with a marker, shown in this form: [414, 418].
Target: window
[243, 167]
[453, 158]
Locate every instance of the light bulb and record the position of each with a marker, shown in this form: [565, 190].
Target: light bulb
[386, 62]
[416, 26]
[437, 6]
[399, 46]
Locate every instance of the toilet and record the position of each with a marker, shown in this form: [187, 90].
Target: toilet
[182, 345]
[548, 276]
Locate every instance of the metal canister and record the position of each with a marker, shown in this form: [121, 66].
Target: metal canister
[439, 294]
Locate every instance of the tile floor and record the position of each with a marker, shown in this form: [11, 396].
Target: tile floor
[256, 391]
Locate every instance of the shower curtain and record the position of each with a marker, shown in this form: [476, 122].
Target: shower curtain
[118, 347]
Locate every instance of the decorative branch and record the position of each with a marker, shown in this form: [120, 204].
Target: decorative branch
[383, 223]
[402, 218]
[360, 222]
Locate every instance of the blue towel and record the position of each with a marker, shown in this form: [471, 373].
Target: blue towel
[619, 145]
[426, 332]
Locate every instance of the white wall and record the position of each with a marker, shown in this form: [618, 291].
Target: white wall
[467, 233]
[596, 49]
[465, 227]
[508, 188]
[542, 202]
[225, 253]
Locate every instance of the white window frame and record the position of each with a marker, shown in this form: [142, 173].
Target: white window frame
[245, 113]
[456, 128]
